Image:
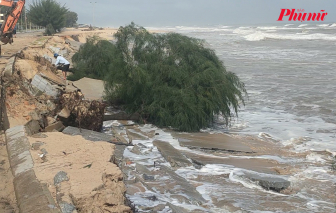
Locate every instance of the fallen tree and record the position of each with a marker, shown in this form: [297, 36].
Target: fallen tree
[169, 79]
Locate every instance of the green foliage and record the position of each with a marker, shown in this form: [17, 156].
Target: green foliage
[93, 59]
[50, 30]
[47, 12]
[171, 80]
[71, 18]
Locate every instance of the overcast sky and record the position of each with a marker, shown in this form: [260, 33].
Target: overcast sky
[114, 13]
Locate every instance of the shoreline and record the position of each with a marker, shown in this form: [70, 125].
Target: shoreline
[211, 164]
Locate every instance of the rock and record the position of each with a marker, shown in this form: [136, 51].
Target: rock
[177, 209]
[269, 182]
[136, 150]
[44, 86]
[50, 105]
[65, 113]
[141, 169]
[197, 164]
[58, 126]
[32, 127]
[172, 155]
[39, 135]
[35, 116]
[148, 177]
[159, 208]
[88, 134]
[37, 145]
[194, 196]
[60, 177]
[50, 120]
[67, 208]
[44, 151]
[152, 198]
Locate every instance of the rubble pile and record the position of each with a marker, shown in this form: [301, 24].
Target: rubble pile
[81, 113]
[36, 91]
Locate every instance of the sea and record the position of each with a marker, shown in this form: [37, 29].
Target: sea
[290, 76]
[289, 71]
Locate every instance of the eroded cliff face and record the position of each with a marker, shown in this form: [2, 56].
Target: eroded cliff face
[38, 97]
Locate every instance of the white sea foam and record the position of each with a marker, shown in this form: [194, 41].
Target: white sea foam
[303, 25]
[286, 25]
[258, 36]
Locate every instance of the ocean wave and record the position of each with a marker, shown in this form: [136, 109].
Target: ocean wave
[203, 29]
[303, 25]
[333, 25]
[323, 25]
[258, 36]
[287, 25]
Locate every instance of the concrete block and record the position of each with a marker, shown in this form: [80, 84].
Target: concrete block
[58, 126]
[172, 155]
[88, 134]
[8, 71]
[45, 86]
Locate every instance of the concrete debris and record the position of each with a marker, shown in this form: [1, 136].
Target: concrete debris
[67, 208]
[44, 86]
[92, 89]
[83, 113]
[37, 145]
[172, 155]
[58, 126]
[65, 113]
[88, 134]
[269, 182]
[60, 177]
[32, 127]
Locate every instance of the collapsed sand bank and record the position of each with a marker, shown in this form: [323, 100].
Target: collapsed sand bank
[94, 183]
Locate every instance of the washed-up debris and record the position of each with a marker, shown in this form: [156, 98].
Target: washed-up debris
[84, 114]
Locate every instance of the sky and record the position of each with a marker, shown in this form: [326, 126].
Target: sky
[159, 13]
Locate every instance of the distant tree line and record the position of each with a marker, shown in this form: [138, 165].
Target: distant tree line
[170, 79]
[51, 15]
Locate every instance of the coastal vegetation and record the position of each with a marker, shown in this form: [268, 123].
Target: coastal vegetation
[170, 79]
[51, 15]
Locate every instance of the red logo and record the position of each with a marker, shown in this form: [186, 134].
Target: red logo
[301, 15]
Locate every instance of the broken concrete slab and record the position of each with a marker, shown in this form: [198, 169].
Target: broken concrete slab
[188, 189]
[212, 142]
[134, 135]
[75, 45]
[52, 77]
[44, 86]
[269, 182]
[32, 127]
[177, 209]
[254, 164]
[92, 89]
[172, 155]
[8, 71]
[88, 134]
[65, 113]
[141, 169]
[58, 126]
[30, 194]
